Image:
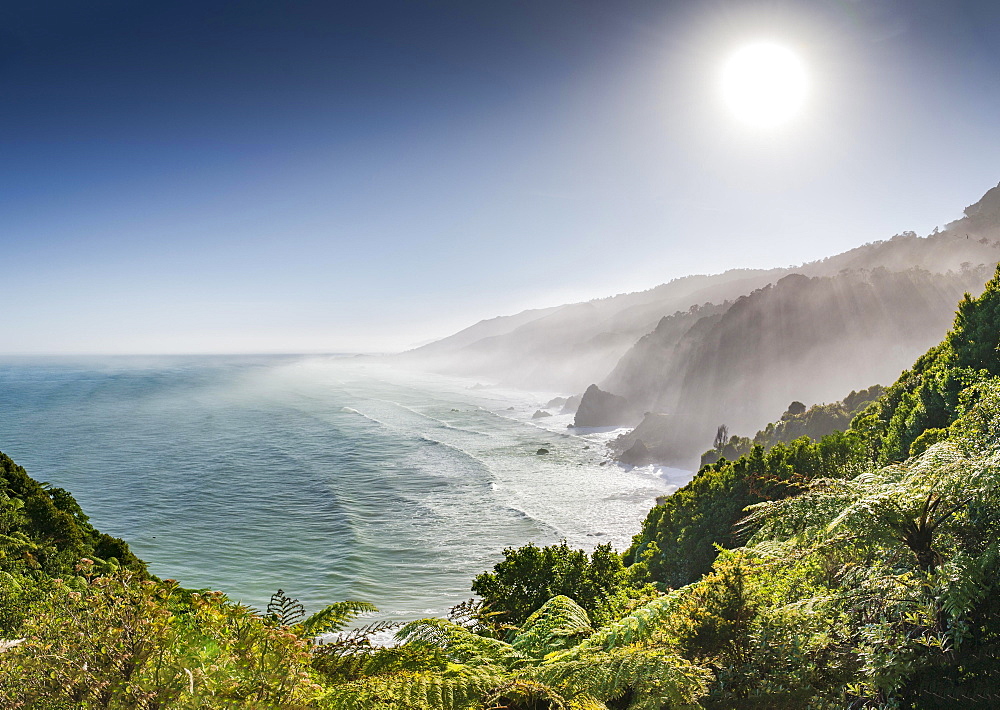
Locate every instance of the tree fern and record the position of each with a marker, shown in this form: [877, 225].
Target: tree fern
[638, 626]
[559, 624]
[656, 676]
[415, 691]
[522, 692]
[461, 645]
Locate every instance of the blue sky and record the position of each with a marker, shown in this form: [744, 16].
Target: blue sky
[320, 176]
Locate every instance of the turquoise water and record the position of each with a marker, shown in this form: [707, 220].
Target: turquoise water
[331, 478]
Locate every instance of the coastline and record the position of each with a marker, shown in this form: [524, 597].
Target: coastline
[283, 486]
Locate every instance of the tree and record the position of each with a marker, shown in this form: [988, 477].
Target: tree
[530, 575]
[721, 437]
[796, 408]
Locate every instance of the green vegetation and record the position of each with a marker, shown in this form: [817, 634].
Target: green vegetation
[940, 385]
[815, 422]
[678, 540]
[555, 660]
[859, 570]
[529, 576]
[43, 531]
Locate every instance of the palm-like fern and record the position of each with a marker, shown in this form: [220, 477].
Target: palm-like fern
[559, 624]
[290, 613]
[334, 617]
[459, 645]
[905, 503]
[640, 626]
[905, 553]
[554, 661]
[655, 678]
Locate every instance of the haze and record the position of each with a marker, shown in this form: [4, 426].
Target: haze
[317, 177]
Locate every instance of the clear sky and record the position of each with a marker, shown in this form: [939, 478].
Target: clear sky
[293, 176]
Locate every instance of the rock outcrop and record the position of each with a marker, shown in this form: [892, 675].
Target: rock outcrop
[599, 408]
[572, 404]
[665, 439]
[637, 454]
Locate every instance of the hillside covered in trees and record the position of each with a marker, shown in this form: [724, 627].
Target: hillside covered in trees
[801, 339]
[813, 422]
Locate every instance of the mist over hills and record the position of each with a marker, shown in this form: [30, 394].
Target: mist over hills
[811, 339]
[737, 347]
[567, 347]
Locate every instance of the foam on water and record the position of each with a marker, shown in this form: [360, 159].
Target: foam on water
[329, 478]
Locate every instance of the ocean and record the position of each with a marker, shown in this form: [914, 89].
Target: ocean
[328, 477]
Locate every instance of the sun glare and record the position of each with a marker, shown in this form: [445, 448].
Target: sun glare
[764, 84]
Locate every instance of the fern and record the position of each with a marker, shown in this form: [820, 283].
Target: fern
[475, 615]
[585, 702]
[285, 610]
[638, 626]
[526, 693]
[461, 645]
[658, 677]
[559, 624]
[415, 691]
[334, 617]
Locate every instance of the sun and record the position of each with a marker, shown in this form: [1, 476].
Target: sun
[764, 84]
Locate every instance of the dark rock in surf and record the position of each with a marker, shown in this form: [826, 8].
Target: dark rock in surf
[665, 439]
[637, 454]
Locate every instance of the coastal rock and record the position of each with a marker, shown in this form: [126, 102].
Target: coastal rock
[540, 414]
[666, 439]
[555, 402]
[637, 454]
[572, 404]
[600, 408]
[541, 452]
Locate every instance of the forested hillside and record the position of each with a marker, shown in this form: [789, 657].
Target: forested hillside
[804, 339]
[909, 417]
[813, 422]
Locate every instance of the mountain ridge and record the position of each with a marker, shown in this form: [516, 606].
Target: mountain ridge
[570, 346]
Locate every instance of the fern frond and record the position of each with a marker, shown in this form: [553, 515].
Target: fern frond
[356, 639]
[585, 702]
[525, 693]
[414, 691]
[334, 617]
[560, 623]
[285, 610]
[351, 654]
[344, 667]
[658, 677]
[475, 615]
[460, 644]
[638, 626]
